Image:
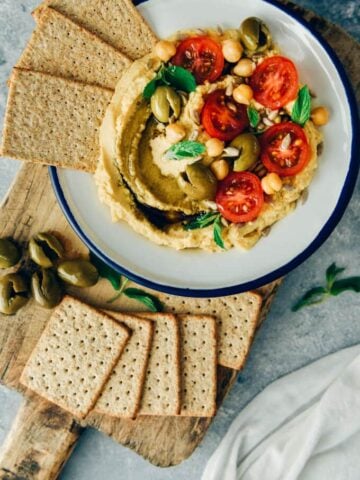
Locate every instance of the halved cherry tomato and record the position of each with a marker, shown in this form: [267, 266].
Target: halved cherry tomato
[275, 82]
[240, 197]
[222, 118]
[285, 149]
[202, 56]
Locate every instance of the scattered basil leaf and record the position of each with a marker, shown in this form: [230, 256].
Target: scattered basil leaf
[331, 273]
[177, 77]
[312, 297]
[346, 284]
[333, 288]
[302, 107]
[254, 116]
[185, 149]
[218, 227]
[106, 272]
[202, 221]
[150, 301]
[180, 78]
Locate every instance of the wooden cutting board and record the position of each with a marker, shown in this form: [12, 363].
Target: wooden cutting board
[43, 435]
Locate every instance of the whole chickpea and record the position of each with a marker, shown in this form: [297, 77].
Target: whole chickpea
[271, 183]
[165, 50]
[175, 132]
[214, 147]
[244, 68]
[232, 50]
[320, 116]
[220, 168]
[243, 94]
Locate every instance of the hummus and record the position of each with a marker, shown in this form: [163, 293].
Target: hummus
[140, 185]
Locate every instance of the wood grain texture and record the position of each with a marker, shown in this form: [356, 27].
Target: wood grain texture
[31, 207]
[41, 440]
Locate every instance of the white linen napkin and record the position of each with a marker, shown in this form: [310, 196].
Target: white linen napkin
[305, 426]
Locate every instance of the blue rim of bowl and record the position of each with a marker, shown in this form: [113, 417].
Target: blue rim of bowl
[325, 232]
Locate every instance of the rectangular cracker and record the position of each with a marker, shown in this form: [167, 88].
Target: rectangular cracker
[74, 356]
[236, 316]
[117, 22]
[54, 121]
[161, 394]
[62, 48]
[199, 364]
[122, 393]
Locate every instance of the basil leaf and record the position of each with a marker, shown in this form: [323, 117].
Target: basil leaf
[301, 110]
[201, 221]
[180, 78]
[185, 149]
[106, 272]
[218, 227]
[312, 297]
[254, 116]
[150, 301]
[331, 273]
[150, 88]
[346, 284]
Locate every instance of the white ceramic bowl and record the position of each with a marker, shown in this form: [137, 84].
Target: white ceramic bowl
[293, 239]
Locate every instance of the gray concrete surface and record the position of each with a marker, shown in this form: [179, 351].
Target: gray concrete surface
[287, 340]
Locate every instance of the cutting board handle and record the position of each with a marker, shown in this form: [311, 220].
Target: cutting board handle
[40, 441]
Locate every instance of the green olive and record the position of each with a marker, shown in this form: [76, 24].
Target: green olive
[164, 103]
[46, 288]
[249, 148]
[13, 293]
[79, 273]
[9, 253]
[198, 182]
[255, 35]
[44, 249]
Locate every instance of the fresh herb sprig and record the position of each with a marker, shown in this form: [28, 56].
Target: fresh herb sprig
[119, 283]
[185, 149]
[177, 77]
[333, 288]
[302, 107]
[254, 116]
[205, 220]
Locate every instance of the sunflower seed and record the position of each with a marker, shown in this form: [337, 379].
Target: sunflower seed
[273, 114]
[211, 205]
[231, 152]
[229, 90]
[285, 144]
[193, 135]
[195, 115]
[267, 122]
[266, 232]
[224, 222]
[232, 107]
[304, 196]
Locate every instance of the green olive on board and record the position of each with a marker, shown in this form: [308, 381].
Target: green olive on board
[13, 293]
[164, 103]
[249, 151]
[255, 35]
[46, 288]
[44, 249]
[79, 273]
[9, 253]
[199, 182]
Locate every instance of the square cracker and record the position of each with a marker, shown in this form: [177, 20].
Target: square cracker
[236, 317]
[62, 48]
[117, 22]
[199, 365]
[161, 394]
[74, 356]
[54, 121]
[122, 393]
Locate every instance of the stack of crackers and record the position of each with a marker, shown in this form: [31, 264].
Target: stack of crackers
[65, 78]
[124, 365]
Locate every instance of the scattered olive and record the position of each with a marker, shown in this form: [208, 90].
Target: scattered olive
[165, 103]
[9, 253]
[255, 35]
[79, 273]
[199, 182]
[46, 288]
[13, 293]
[44, 249]
[249, 148]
